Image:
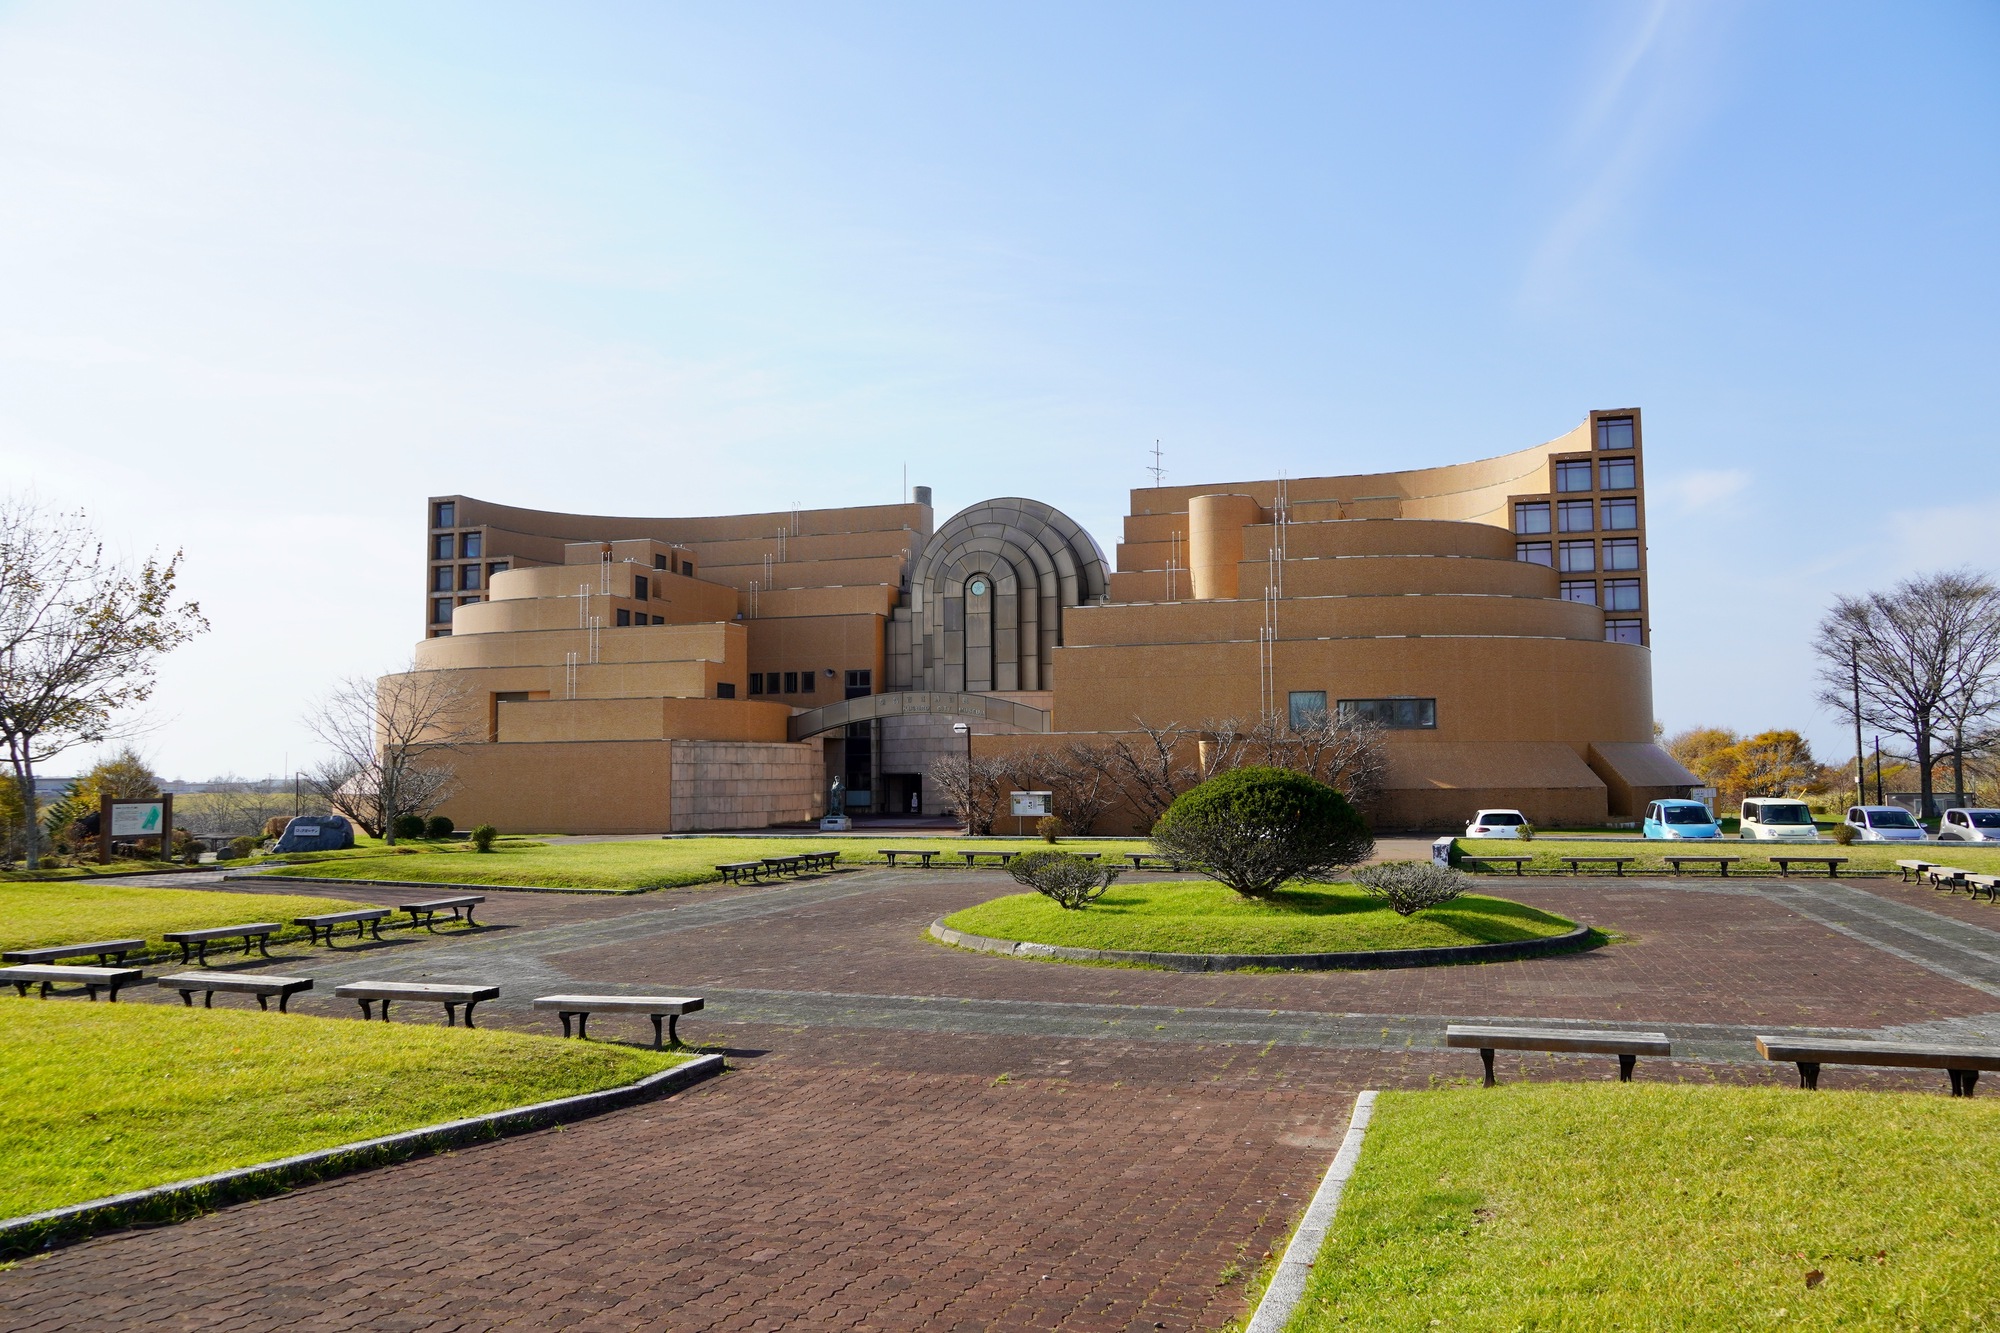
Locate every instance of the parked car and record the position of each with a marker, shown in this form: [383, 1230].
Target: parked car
[1496, 824]
[1680, 819]
[1777, 819]
[1883, 823]
[1962, 825]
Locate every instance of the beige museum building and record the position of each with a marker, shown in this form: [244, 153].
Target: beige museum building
[681, 674]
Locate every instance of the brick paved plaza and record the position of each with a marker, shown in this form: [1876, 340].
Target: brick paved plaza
[916, 1137]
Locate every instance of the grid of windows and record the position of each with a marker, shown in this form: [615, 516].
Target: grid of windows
[1621, 594]
[1573, 516]
[1573, 476]
[1578, 557]
[1618, 474]
[1306, 708]
[1533, 553]
[1532, 516]
[1621, 553]
[1614, 433]
[1621, 515]
[1584, 590]
[469, 545]
[1394, 714]
[1623, 631]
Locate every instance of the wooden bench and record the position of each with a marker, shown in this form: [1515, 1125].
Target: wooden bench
[422, 914]
[109, 953]
[655, 1007]
[238, 983]
[1617, 863]
[1152, 861]
[444, 993]
[1913, 867]
[1832, 863]
[1990, 883]
[737, 872]
[1467, 858]
[823, 861]
[1948, 878]
[924, 855]
[1627, 1046]
[784, 865]
[972, 858]
[1721, 863]
[92, 979]
[1962, 1063]
[365, 919]
[257, 935]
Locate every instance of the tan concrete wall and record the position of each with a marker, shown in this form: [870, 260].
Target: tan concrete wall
[542, 720]
[815, 644]
[717, 642]
[1316, 617]
[725, 785]
[606, 787]
[1216, 530]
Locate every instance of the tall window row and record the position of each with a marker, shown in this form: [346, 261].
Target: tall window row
[1620, 514]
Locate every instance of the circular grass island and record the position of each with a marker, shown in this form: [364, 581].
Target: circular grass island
[1207, 927]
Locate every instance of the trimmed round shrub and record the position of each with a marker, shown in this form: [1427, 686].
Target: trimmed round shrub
[1073, 881]
[483, 836]
[1843, 834]
[437, 828]
[408, 826]
[1255, 828]
[1408, 887]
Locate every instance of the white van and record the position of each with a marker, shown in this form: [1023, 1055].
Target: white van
[1777, 819]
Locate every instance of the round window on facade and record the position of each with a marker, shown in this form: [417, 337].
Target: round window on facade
[976, 588]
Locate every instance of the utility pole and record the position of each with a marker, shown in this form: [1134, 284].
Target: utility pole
[1878, 770]
[1860, 758]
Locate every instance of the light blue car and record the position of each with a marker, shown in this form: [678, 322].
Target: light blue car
[1680, 819]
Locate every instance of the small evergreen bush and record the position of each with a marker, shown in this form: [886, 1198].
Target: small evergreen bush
[1526, 833]
[1051, 828]
[408, 826]
[1073, 881]
[1255, 828]
[241, 848]
[437, 828]
[1408, 887]
[1843, 834]
[483, 836]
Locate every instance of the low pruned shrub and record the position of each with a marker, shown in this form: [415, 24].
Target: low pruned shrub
[1072, 881]
[408, 826]
[240, 848]
[483, 836]
[1843, 834]
[1051, 828]
[438, 827]
[1408, 887]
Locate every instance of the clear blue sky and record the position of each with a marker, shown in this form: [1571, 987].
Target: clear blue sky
[270, 274]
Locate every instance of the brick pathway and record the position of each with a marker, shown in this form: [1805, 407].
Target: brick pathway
[917, 1137]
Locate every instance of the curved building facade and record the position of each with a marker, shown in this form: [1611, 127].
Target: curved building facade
[702, 673]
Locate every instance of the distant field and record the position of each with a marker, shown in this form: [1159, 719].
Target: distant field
[663, 863]
[1862, 858]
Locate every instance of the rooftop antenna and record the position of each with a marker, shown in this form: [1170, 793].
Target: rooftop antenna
[906, 483]
[1159, 472]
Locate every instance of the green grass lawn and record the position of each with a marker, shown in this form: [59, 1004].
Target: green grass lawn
[1594, 1206]
[89, 870]
[76, 912]
[1862, 858]
[1202, 917]
[107, 1098]
[660, 863]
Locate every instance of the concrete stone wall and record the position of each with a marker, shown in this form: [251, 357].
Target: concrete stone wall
[739, 785]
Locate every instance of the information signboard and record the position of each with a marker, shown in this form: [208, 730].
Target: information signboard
[136, 819]
[1031, 804]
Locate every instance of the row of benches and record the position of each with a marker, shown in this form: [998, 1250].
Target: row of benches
[1831, 864]
[1951, 878]
[255, 934]
[741, 872]
[1962, 1065]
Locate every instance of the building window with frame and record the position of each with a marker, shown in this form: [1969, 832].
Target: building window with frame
[468, 601]
[1573, 516]
[441, 579]
[1533, 553]
[469, 545]
[625, 617]
[1392, 714]
[444, 514]
[1623, 631]
[1621, 594]
[862, 681]
[791, 682]
[1577, 557]
[1618, 474]
[756, 682]
[445, 547]
[1621, 515]
[1582, 590]
[639, 589]
[687, 568]
[1532, 516]
[659, 562]
[1306, 708]
[497, 567]
[1615, 433]
[659, 620]
[1573, 476]
[441, 611]
[1621, 553]
[468, 578]
[725, 689]
[806, 682]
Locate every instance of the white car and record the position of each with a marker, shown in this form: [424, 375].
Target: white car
[1962, 825]
[1883, 823]
[1777, 819]
[1496, 824]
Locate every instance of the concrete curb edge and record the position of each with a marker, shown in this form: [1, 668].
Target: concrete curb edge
[179, 1200]
[1508, 951]
[1288, 1283]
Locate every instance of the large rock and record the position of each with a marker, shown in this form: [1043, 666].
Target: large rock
[316, 833]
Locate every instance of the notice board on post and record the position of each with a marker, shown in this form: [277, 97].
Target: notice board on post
[122, 818]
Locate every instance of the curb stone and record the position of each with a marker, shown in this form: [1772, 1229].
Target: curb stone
[1288, 1283]
[180, 1200]
[1508, 951]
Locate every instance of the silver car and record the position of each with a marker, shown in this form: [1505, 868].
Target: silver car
[1963, 825]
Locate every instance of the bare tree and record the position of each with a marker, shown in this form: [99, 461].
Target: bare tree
[1152, 770]
[393, 741]
[1345, 753]
[1924, 659]
[81, 635]
[1078, 776]
[974, 791]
